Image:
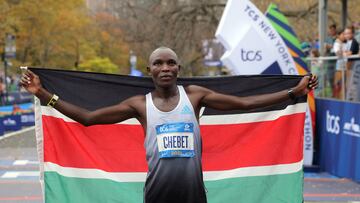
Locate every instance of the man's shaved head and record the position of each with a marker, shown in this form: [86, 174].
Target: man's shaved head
[164, 67]
[162, 50]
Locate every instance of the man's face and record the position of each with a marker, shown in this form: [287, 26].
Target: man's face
[163, 67]
[342, 37]
[332, 31]
[348, 34]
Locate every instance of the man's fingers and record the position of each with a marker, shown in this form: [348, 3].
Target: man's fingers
[24, 82]
[314, 85]
[26, 77]
[29, 71]
[29, 75]
[26, 74]
[314, 77]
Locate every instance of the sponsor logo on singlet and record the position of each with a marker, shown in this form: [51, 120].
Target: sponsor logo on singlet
[175, 140]
[186, 110]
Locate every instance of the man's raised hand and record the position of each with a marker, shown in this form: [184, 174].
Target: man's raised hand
[31, 82]
[306, 84]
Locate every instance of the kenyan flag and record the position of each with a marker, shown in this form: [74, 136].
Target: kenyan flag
[248, 156]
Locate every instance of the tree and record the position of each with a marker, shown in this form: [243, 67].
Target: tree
[110, 40]
[101, 65]
[61, 34]
[183, 24]
[64, 34]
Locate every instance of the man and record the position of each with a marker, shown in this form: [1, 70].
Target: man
[172, 143]
[330, 39]
[352, 46]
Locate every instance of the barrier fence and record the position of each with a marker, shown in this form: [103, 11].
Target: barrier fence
[338, 115]
[339, 77]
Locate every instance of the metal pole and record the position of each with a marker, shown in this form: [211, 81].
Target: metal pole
[322, 25]
[323, 76]
[343, 80]
[344, 13]
[5, 80]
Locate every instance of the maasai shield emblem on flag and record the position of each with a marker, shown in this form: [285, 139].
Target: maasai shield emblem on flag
[248, 156]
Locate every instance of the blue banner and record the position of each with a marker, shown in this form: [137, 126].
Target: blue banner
[12, 122]
[2, 129]
[338, 125]
[28, 119]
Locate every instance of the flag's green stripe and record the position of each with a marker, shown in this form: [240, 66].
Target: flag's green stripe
[259, 189]
[60, 189]
[283, 25]
[277, 14]
[291, 38]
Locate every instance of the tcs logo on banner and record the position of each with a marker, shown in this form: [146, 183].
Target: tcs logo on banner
[332, 123]
[250, 55]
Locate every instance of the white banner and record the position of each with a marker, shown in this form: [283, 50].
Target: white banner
[253, 46]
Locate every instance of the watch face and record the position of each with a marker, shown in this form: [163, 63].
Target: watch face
[291, 94]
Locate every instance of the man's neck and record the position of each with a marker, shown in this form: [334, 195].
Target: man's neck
[166, 92]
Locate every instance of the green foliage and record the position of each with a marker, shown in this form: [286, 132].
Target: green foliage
[97, 64]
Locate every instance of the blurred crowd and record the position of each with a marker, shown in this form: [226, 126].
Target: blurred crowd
[336, 71]
[13, 85]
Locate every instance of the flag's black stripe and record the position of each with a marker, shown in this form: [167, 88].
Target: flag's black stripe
[95, 90]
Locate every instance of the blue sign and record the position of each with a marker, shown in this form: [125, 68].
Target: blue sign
[12, 122]
[135, 72]
[213, 63]
[28, 119]
[338, 126]
[2, 129]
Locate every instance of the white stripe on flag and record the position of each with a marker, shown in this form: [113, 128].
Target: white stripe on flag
[95, 173]
[252, 117]
[254, 171]
[141, 176]
[211, 119]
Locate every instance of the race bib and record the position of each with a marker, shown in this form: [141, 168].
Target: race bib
[175, 140]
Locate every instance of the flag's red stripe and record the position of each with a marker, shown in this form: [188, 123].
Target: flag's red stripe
[106, 147]
[225, 146]
[253, 144]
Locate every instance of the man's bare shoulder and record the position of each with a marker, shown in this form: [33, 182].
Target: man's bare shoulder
[138, 104]
[196, 89]
[137, 99]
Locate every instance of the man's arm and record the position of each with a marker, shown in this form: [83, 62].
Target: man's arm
[106, 115]
[220, 101]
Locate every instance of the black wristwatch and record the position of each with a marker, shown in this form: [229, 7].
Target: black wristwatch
[291, 94]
